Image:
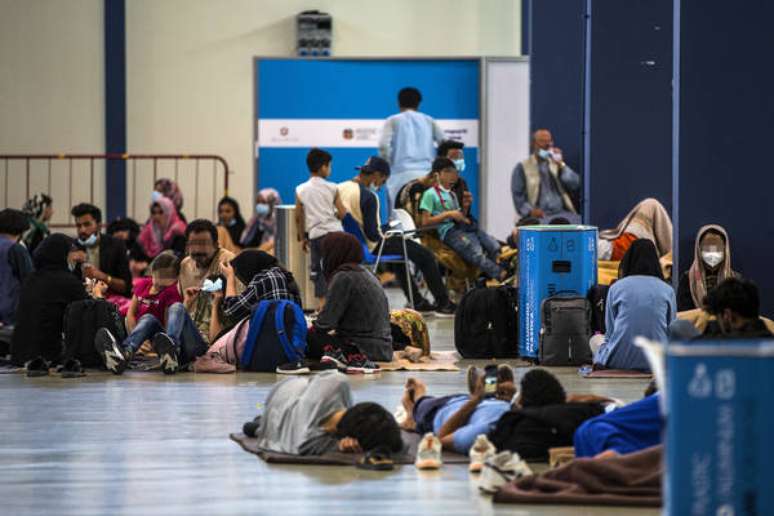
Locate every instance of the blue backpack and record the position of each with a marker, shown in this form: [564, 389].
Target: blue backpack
[277, 335]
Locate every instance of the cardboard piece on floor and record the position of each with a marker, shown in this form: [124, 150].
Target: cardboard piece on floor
[250, 445]
[437, 361]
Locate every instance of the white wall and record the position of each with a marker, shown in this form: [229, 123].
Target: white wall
[51, 93]
[190, 68]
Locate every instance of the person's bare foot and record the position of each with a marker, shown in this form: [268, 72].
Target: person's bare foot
[414, 390]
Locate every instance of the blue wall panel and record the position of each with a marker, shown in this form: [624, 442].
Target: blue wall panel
[630, 106]
[726, 126]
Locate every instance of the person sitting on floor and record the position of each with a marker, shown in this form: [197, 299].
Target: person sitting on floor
[42, 303]
[457, 420]
[641, 303]
[440, 206]
[164, 230]
[230, 217]
[360, 199]
[314, 416]
[734, 304]
[265, 279]
[100, 256]
[15, 263]
[353, 327]
[171, 190]
[149, 316]
[648, 220]
[711, 265]
[39, 210]
[128, 230]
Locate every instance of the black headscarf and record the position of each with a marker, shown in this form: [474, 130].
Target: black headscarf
[641, 260]
[340, 251]
[250, 262]
[52, 253]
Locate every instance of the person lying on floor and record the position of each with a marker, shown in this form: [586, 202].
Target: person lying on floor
[641, 303]
[628, 429]
[155, 314]
[543, 416]
[314, 416]
[458, 419]
[353, 327]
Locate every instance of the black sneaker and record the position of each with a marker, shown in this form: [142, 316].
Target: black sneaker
[167, 350]
[446, 311]
[113, 356]
[293, 368]
[424, 307]
[358, 363]
[335, 356]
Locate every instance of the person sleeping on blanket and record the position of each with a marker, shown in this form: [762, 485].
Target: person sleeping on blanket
[314, 416]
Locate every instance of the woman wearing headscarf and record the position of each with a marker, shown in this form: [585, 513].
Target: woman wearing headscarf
[39, 210]
[171, 190]
[164, 230]
[266, 280]
[353, 327]
[648, 220]
[44, 297]
[262, 228]
[641, 303]
[711, 265]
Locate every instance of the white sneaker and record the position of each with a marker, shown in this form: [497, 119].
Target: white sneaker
[502, 469]
[429, 453]
[481, 450]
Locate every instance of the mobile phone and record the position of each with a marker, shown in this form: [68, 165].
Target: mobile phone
[490, 381]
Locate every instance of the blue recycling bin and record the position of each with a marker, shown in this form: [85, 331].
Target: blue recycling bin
[719, 448]
[552, 260]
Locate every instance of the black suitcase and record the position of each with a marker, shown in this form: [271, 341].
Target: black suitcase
[486, 323]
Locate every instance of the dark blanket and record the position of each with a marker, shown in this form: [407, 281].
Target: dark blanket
[531, 431]
[627, 480]
[411, 440]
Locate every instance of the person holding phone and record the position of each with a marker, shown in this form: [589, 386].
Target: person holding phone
[540, 185]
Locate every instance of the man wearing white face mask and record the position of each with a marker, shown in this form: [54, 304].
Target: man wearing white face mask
[540, 184]
[711, 265]
[99, 256]
[359, 196]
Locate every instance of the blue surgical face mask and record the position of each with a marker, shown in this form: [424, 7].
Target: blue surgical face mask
[460, 164]
[156, 196]
[89, 242]
[262, 209]
[544, 153]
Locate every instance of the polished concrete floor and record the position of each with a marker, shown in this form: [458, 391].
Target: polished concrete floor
[145, 444]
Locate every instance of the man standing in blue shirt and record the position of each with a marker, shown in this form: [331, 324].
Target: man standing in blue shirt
[408, 142]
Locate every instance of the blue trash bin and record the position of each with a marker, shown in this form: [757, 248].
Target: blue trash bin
[552, 260]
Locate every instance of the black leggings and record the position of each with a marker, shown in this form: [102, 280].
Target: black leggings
[316, 341]
[423, 258]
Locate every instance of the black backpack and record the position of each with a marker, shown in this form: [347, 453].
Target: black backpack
[486, 323]
[532, 431]
[82, 319]
[277, 335]
[565, 331]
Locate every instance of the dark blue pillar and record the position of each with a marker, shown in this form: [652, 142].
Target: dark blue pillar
[115, 106]
[525, 26]
[725, 122]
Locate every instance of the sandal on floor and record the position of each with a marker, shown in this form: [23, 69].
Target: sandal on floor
[376, 460]
[37, 367]
[72, 369]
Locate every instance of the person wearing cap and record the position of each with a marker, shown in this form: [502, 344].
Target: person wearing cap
[359, 196]
[408, 141]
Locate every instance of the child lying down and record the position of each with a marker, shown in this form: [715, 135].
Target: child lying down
[313, 416]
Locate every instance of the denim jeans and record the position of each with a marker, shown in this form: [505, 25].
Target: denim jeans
[477, 248]
[180, 328]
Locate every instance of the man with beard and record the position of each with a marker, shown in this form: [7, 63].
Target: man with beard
[199, 278]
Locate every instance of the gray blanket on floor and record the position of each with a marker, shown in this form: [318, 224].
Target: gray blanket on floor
[411, 440]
